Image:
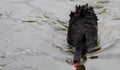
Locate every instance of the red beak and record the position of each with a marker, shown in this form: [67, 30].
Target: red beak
[75, 65]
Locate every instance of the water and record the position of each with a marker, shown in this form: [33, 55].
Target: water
[33, 35]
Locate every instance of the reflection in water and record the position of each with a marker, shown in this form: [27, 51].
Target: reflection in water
[94, 50]
[69, 61]
[98, 6]
[93, 57]
[106, 47]
[103, 11]
[116, 18]
[103, 2]
[81, 67]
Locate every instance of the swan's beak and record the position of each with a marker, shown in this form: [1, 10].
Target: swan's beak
[75, 65]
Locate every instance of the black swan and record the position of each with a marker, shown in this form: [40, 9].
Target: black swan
[82, 31]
